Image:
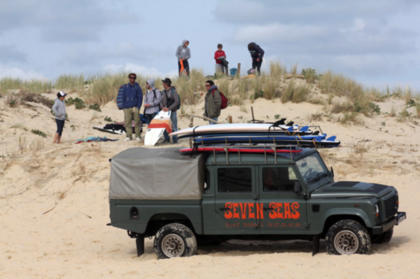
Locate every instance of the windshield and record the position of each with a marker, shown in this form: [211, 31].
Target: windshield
[312, 169]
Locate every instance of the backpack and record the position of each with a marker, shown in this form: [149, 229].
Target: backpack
[224, 102]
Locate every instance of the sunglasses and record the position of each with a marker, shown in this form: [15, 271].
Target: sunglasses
[207, 85]
[132, 77]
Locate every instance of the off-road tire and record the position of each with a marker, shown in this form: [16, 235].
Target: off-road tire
[174, 240]
[348, 237]
[383, 237]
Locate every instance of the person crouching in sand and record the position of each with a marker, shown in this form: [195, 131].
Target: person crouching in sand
[59, 110]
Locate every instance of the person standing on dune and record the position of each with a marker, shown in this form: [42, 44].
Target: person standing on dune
[59, 110]
[129, 99]
[257, 54]
[183, 54]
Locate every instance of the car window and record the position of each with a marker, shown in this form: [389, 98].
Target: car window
[234, 180]
[278, 179]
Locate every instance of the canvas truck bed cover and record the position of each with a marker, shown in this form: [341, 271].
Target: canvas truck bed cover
[152, 173]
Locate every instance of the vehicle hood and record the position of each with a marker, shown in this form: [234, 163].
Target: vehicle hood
[350, 189]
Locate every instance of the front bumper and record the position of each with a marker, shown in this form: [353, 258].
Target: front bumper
[396, 220]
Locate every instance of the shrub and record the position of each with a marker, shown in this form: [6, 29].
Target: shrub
[294, 93]
[39, 133]
[12, 101]
[36, 98]
[95, 107]
[276, 70]
[310, 75]
[77, 102]
[108, 119]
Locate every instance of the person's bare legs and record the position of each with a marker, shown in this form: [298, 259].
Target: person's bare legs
[59, 139]
[56, 136]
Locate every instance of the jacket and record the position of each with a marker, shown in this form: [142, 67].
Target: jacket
[130, 96]
[256, 51]
[182, 52]
[153, 98]
[59, 109]
[218, 55]
[212, 103]
[170, 99]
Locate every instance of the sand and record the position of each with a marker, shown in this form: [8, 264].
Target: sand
[54, 201]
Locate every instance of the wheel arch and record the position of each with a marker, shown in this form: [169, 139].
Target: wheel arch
[158, 220]
[336, 216]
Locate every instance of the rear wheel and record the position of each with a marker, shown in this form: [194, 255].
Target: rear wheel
[383, 237]
[175, 240]
[347, 237]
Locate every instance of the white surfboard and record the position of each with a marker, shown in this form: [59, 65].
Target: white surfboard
[232, 128]
[157, 127]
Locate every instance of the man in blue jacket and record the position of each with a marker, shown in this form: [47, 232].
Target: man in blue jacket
[129, 99]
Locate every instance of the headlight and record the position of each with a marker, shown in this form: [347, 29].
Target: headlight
[377, 210]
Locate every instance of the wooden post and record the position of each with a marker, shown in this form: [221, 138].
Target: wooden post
[238, 72]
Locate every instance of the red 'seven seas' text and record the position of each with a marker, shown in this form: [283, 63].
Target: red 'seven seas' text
[250, 210]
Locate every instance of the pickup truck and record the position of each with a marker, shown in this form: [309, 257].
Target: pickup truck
[188, 197]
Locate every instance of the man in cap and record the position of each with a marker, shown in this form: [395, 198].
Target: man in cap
[130, 98]
[59, 110]
[170, 102]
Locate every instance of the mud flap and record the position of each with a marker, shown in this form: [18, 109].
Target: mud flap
[315, 245]
[140, 245]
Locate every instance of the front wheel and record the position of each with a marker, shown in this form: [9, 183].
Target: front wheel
[175, 240]
[347, 237]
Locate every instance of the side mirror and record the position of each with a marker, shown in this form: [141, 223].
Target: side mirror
[297, 188]
[332, 172]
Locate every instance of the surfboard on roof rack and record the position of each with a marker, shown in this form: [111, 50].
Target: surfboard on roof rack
[244, 128]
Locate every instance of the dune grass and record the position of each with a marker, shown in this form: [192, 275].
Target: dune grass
[70, 82]
[34, 86]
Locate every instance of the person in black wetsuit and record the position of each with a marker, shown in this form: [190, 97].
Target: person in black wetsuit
[257, 54]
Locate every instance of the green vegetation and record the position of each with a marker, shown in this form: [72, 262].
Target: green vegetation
[70, 82]
[95, 107]
[35, 86]
[108, 119]
[39, 133]
[339, 94]
[77, 102]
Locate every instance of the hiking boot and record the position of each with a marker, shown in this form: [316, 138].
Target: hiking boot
[138, 139]
[127, 139]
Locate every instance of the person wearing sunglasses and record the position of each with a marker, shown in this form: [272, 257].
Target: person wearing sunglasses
[129, 99]
[212, 102]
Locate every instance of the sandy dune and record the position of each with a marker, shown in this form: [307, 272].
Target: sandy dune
[54, 202]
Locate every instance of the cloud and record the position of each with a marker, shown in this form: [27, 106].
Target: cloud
[10, 54]
[23, 74]
[64, 21]
[279, 33]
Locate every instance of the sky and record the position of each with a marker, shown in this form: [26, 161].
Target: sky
[374, 42]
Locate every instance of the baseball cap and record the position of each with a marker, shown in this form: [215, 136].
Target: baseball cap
[61, 94]
[167, 81]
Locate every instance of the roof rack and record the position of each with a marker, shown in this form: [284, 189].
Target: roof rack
[244, 148]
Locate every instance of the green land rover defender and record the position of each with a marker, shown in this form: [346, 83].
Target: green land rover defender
[184, 199]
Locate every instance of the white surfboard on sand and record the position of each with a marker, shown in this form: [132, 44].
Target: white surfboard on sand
[157, 127]
[232, 128]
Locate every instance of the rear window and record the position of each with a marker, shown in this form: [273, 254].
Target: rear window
[234, 180]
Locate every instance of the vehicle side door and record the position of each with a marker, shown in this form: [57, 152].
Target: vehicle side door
[285, 211]
[235, 197]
